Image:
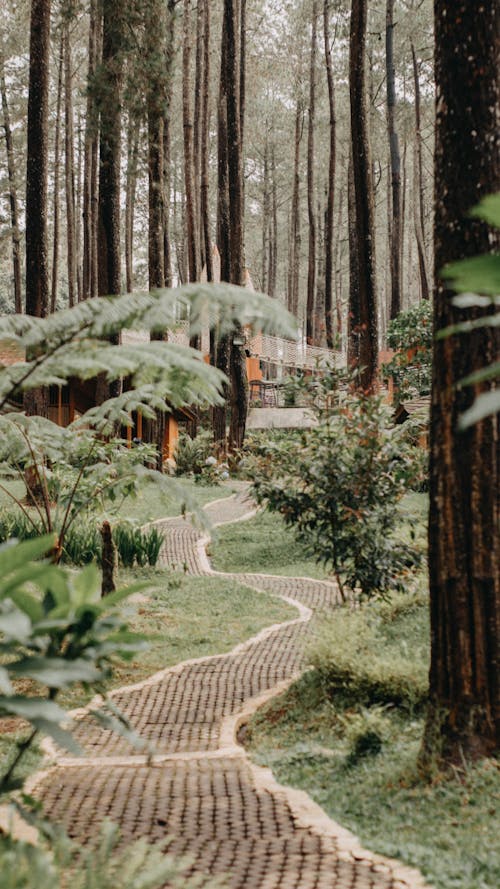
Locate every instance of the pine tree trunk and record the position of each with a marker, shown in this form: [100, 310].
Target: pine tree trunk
[13, 201]
[130, 200]
[395, 218]
[354, 310]
[37, 264]
[69, 169]
[330, 207]
[155, 103]
[169, 62]
[189, 176]
[311, 210]
[295, 236]
[419, 211]
[57, 167]
[464, 715]
[265, 216]
[90, 166]
[205, 157]
[363, 187]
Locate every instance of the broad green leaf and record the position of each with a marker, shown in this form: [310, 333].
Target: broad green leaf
[62, 737]
[14, 555]
[473, 300]
[15, 625]
[27, 603]
[39, 574]
[482, 375]
[55, 672]
[479, 274]
[484, 406]
[85, 586]
[489, 210]
[5, 685]
[32, 708]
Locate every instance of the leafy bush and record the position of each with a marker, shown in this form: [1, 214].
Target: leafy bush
[338, 486]
[192, 453]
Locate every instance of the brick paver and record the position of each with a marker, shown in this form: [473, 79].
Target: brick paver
[199, 792]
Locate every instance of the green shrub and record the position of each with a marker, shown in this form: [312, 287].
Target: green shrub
[338, 485]
[152, 542]
[82, 544]
[355, 664]
[192, 453]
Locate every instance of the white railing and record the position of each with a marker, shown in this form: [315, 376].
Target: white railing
[274, 349]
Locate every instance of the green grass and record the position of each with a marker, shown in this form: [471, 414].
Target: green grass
[151, 503]
[263, 545]
[319, 740]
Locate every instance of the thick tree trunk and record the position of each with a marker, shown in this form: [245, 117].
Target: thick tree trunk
[464, 715]
[169, 62]
[13, 201]
[395, 218]
[419, 210]
[363, 187]
[311, 209]
[330, 206]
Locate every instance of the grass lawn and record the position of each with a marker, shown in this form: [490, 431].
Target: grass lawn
[357, 757]
[264, 544]
[151, 503]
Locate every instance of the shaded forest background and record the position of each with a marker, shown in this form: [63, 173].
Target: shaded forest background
[295, 128]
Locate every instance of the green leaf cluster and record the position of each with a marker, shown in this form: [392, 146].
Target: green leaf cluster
[55, 630]
[338, 487]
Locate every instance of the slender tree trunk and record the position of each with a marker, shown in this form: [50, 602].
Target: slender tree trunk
[395, 218]
[464, 714]
[57, 167]
[13, 201]
[90, 171]
[205, 156]
[330, 207]
[363, 187]
[273, 240]
[311, 210]
[265, 215]
[155, 102]
[295, 236]
[169, 63]
[189, 175]
[354, 310]
[130, 200]
[419, 211]
[69, 169]
[37, 267]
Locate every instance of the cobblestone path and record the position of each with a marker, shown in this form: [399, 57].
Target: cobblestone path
[199, 789]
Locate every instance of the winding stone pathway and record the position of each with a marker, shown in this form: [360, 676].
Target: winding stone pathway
[198, 791]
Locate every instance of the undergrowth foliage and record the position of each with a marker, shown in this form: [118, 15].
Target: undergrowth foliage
[338, 486]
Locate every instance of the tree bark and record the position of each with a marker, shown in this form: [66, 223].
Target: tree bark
[37, 264]
[130, 200]
[37, 267]
[330, 206]
[464, 714]
[155, 107]
[57, 167]
[69, 170]
[395, 218]
[189, 175]
[295, 236]
[419, 210]
[90, 171]
[367, 331]
[311, 210]
[205, 157]
[13, 200]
